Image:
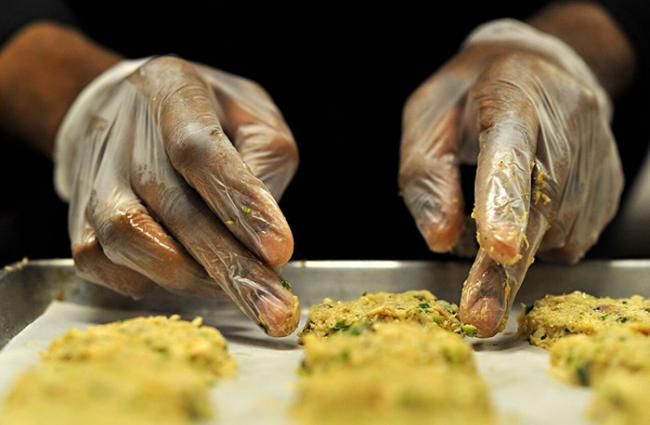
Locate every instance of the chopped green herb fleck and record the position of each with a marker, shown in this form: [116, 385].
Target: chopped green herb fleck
[340, 326]
[357, 330]
[286, 285]
[470, 330]
[582, 372]
[622, 319]
[245, 209]
[424, 306]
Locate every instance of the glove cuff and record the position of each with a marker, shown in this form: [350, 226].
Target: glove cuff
[517, 33]
[75, 122]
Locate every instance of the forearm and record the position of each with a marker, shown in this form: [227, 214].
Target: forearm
[591, 32]
[42, 70]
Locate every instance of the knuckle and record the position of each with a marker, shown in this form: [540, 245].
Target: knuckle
[429, 173]
[589, 99]
[82, 256]
[112, 230]
[254, 87]
[185, 150]
[411, 169]
[574, 251]
[112, 223]
[168, 64]
[283, 146]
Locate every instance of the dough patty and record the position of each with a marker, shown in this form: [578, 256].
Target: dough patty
[422, 307]
[556, 316]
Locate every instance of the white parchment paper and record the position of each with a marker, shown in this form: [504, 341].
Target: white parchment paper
[517, 374]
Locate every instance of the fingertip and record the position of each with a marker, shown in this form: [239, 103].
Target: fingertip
[280, 319]
[486, 314]
[484, 300]
[441, 236]
[276, 247]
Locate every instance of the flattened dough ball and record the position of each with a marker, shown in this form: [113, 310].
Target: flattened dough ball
[586, 359]
[556, 316]
[173, 339]
[406, 343]
[422, 307]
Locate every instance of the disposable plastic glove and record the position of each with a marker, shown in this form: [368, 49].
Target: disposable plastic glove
[171, 169]
[527, 110]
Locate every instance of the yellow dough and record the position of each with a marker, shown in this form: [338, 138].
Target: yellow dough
[143, 391]
[391, 373]
[143, 371]
[427, 395]
[171, 338]
[405, 344]
[584, 360]
[556, 316]
[622, 399]
[422, 307]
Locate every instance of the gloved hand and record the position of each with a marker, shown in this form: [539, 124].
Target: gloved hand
[171, 170]
[527, 110]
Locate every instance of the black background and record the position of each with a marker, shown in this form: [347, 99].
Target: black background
[340, 75]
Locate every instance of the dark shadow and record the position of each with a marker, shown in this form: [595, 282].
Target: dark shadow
[261, 342]
[499, 343]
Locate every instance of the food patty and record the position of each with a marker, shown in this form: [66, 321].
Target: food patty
[584, 360]
[405, 343]
[142, 390]
[622, 399]
[391, 373]
[153, 370]
[556, 316]
[393, 395]
[422, 307]
[202, 347]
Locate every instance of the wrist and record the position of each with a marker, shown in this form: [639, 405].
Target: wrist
[43, 68]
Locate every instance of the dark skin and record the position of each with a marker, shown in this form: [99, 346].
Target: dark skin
[45, 66]
[42, 70]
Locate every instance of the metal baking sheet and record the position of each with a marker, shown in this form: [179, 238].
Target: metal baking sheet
[40, 300]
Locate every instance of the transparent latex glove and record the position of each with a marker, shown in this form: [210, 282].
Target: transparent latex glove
[530, 114]
[171, 170]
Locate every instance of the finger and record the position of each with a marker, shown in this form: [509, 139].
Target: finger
[490, 288]
[92, 265]
[429, 178]
[130, 237]
[467, 247]
[508, 128]
[198, 148]
[256, 127]
[255, 287]
[598, 210]
[90, 261]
